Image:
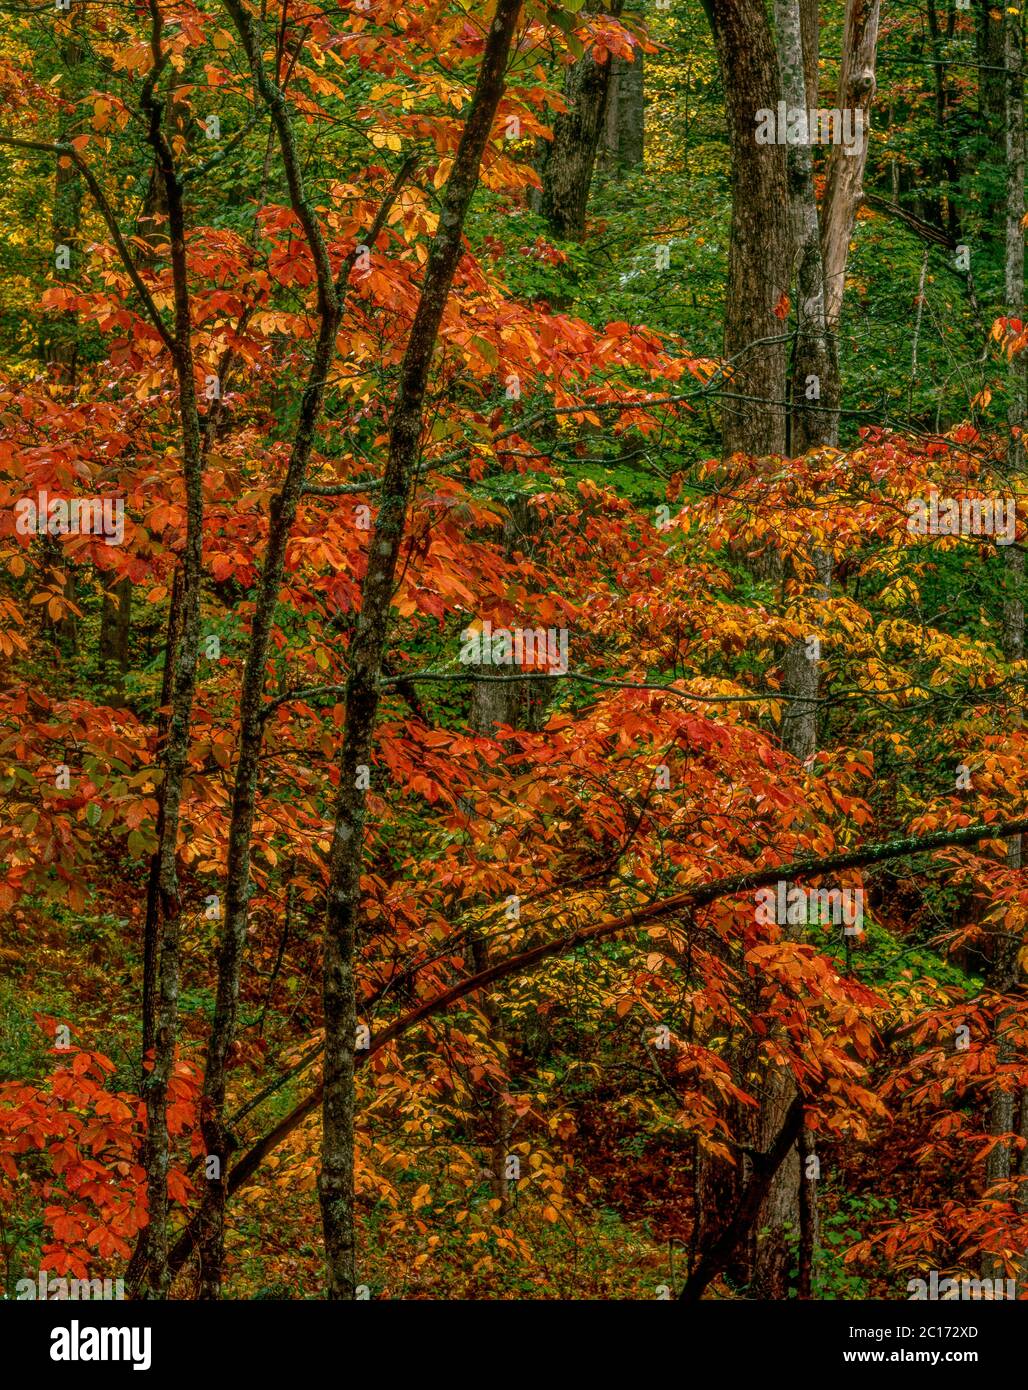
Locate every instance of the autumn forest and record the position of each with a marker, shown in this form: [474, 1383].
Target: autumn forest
[512, 667]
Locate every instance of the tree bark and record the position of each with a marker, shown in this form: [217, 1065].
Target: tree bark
[1017, 406]
[809, 1219]
[60, 348]
[151, 1274]
[625, 120]
[815, 393]
[843, 188]
[569, 158]
[1004, 969]
[367, 649]
[284, 506]
[759, 256]
[116, 626]
[810, 27]
[766, 1163]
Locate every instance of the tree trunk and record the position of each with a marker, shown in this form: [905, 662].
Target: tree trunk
[759, 257]
[521, 704]
[815, 393]
[569, 158]
[625, 121]
[116, 626]
[367, 649]
[150, 1274]
[744, 1212]
[1017, 407]
[60, 347]
[815, 423]
[1004, 970]
[809, 1219]
[810, 28]
[844, 186]
[778, 1221]
[989, 48]
[498, 1108]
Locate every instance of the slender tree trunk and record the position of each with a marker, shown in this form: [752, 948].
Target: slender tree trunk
[147, 1272]
[844, 185]
[809, 1222]
[151, 943]
[499, 1109]
[283, 510]
[1005, 969]
[989, 48]
[151, 1274]
[367, 649]
[152, 229]
[60, 347]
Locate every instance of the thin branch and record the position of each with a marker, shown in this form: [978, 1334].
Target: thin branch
[69, 152]
[701, 895]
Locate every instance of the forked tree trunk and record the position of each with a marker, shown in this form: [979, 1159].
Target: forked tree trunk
[331, 299]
